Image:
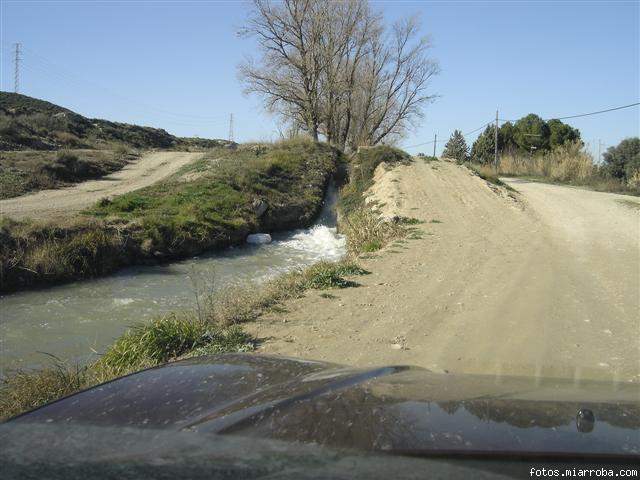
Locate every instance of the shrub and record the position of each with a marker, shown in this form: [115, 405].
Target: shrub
[367, 232]
[623, 160]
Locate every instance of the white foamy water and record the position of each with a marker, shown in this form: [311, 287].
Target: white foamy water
[76, 320]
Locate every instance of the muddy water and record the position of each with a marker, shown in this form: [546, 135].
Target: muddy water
[76, 321]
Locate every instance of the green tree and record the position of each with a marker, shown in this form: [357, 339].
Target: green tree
[623, 160]
[456, 147]
[507, 138]
[561, 133]
[532, 134]
[483, 149]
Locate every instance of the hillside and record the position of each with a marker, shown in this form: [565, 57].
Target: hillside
[28, 123]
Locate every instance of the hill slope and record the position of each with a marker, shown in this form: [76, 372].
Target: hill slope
[29, 123]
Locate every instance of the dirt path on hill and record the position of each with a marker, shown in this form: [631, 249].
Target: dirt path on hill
[47, 204]
[540, 283]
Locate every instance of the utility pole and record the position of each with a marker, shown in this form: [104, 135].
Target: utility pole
[600, 145]
[496, 142]
[16, 72]
[231, 127]
[435, 142]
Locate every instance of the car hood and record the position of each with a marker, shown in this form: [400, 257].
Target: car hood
[396, 408]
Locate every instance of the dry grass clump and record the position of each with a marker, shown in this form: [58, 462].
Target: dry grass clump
[569, 162]
[24, 391]
[367, 231]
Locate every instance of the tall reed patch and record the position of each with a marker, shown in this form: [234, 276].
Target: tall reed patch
[570, 163]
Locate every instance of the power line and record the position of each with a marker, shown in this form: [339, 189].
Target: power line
[546, 119]
[585, 114]
[479, 128]
[441, 141]
[50, 67]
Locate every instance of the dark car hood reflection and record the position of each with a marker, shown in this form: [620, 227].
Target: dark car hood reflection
[401, 409]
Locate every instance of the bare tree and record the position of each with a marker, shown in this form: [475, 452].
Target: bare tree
[393, 84]
[288, 74]
[333, 69]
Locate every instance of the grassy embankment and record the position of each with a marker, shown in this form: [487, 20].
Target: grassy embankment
[213, 203]
[566, 165]
[215, 325]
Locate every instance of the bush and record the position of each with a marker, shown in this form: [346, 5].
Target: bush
[367, 232]
[623, 160]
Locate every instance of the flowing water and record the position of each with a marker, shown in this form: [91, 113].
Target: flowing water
[76, 321]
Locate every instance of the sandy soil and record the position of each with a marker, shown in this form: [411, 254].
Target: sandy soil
[47, 204]
[540, 283]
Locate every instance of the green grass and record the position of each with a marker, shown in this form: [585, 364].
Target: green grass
[216, 208]
[167, 338]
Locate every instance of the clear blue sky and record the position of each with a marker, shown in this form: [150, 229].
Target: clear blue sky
[173, 64]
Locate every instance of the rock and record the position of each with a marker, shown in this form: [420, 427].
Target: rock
[259, 238]
[259, 207]
[147, 246]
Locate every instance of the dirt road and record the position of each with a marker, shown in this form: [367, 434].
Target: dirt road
[48, 204]
[540, 283]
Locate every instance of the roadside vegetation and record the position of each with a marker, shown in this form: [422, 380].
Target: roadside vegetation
[570, 164]
[550, 151]
[212, 204]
